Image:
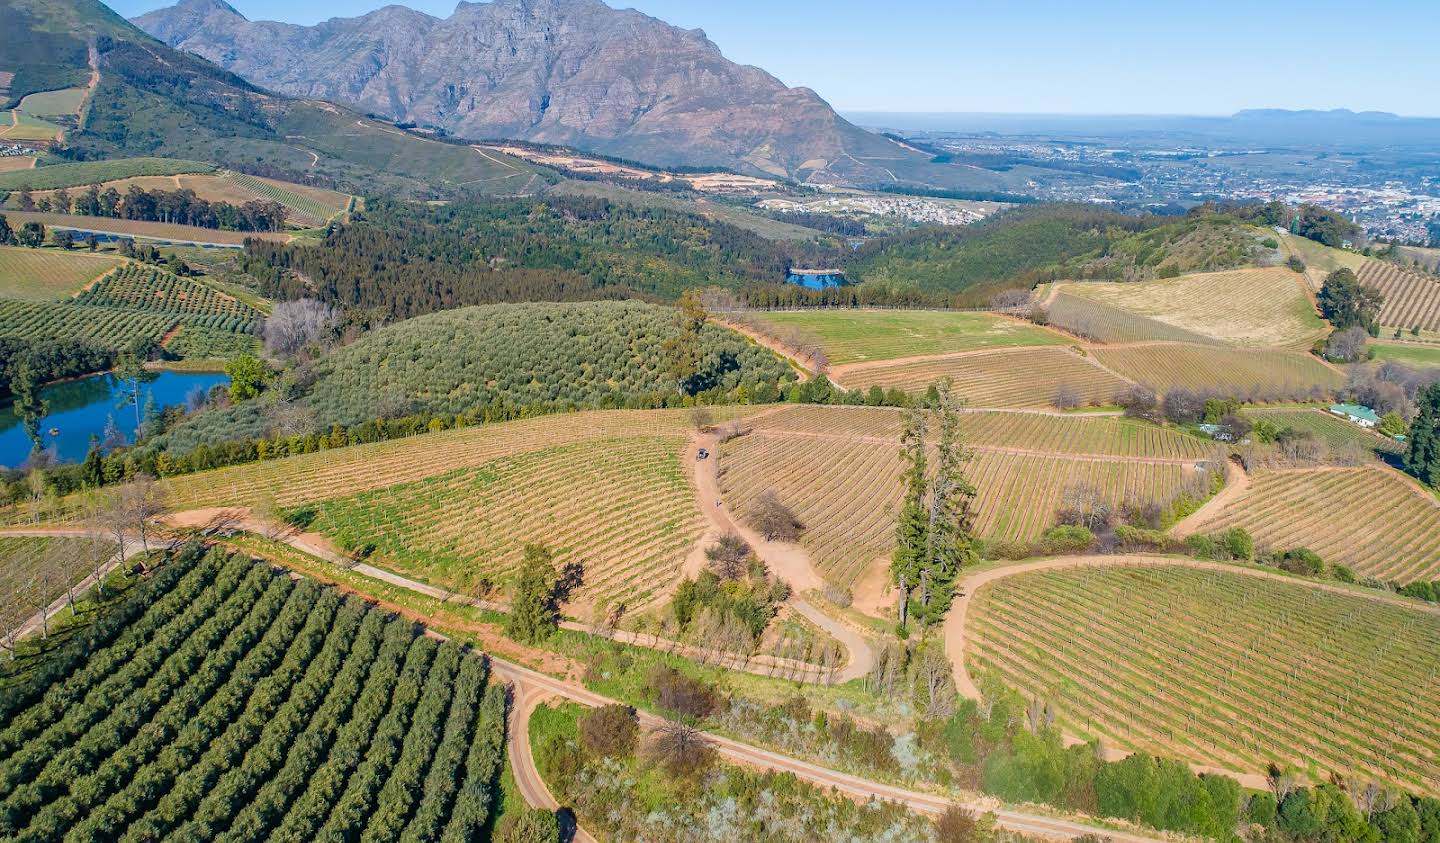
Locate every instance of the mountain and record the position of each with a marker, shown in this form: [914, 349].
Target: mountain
[152, 100]
[566, 72]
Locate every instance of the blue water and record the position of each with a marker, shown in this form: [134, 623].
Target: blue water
[817, 282]
[80, 408]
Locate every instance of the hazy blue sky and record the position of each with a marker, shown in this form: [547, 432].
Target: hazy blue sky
[1111, 56]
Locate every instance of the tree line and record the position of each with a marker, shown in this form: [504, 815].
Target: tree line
[176, 207]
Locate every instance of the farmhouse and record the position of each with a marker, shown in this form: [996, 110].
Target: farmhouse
[1363, 416]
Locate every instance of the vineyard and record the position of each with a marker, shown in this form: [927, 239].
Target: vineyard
[1231, 670]
[1324, 510]
[1247, 373]
[106, 326]
[621, 507]
[38, 275]
[855, 336]
[347, 471]
[84, 173]
[1079, 435]
[1337, 433]
[1248, 307]
[1412, 299]
[309, 206]
[155, 290]
[223, 700]
[839, 469]
[1024, 377]
[1099, 322]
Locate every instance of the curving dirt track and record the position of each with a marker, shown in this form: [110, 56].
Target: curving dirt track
[789, 562]
[1237, 483]
[131, 548]
[524, 699]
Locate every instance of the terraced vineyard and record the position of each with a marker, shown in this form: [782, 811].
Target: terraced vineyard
[1247, 373]
[1335, 432]
[1101, 322]
[310, 206]
[105, 326]
[1411, 298]
[1247, 307]
[1371, 519]
[622, 507]
[44, 275]
[150, 289]
[838, 468]
[346, 471]
[1231, 670]
[854, 336]
[1023, 377]
[225, 701]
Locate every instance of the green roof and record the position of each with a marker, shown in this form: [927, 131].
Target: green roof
[1355, 411]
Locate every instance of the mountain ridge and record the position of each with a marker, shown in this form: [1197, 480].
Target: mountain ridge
[566, 72]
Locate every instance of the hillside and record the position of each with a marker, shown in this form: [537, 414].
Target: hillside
[1037, 243]
[571, 72]
[513, 359]
[154, 101]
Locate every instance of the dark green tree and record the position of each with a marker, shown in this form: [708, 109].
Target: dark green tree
[911, 526]
[1423, 457]
[32, 234]
[949, 539]
[6, 234]
[29, 406]
[1349, 304]
[532, 610]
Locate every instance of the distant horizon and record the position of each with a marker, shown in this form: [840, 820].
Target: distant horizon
[1116, 58]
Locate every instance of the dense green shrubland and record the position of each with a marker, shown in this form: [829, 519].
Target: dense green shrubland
[404, 260]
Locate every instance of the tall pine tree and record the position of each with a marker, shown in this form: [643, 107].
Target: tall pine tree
[934, 531]
[1423, 458]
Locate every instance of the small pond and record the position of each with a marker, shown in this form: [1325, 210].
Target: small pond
[80, 409]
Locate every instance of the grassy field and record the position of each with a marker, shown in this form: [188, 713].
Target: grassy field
[1411, 298]
[235, 703]
[151, 289]
[1341, 684]
[621, 507]
[11, 163]
[1247, 373]
[1020, 377]
[838, 467]
[1246, 307]
[24, 127]
[38, 275]
[858, 336]
[1322, 509]
[142, 230]
[107, 326]
[1319, 260]
[65, 102]
[98, 172]
[1100, 322]
[1414, 354]
[1335, 432]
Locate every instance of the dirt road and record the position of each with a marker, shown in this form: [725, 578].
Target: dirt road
[789, 562]
[524, 699]
[1237, 483]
